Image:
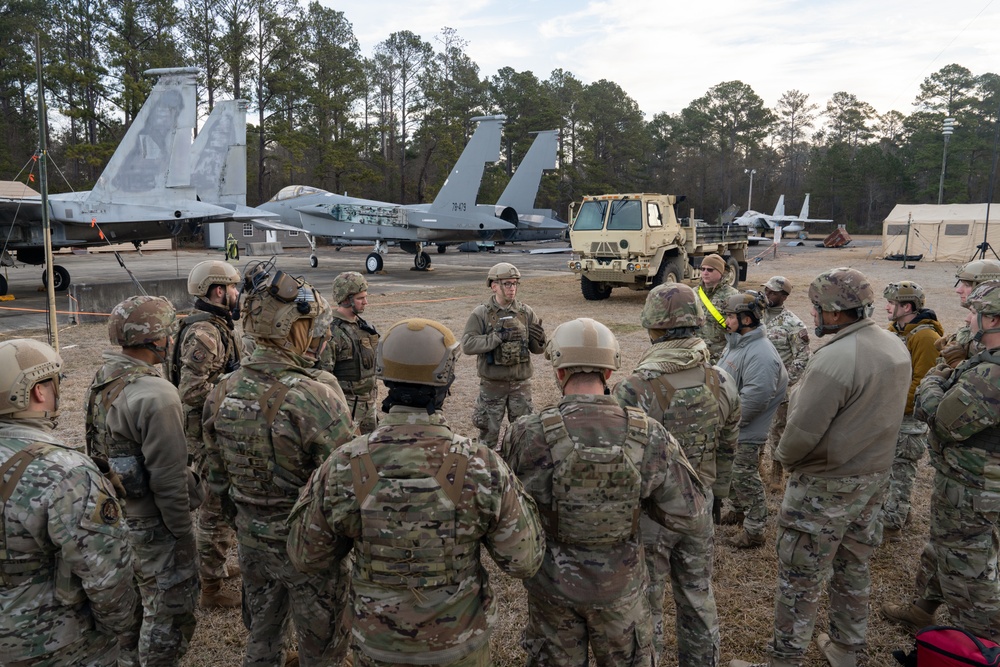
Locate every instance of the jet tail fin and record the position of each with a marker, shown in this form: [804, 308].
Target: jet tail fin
[780, 208]
[458, 194]
[522, 189]
[219, 155]
[155, 153]
[805, 208]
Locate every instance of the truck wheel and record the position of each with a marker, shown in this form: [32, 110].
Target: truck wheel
[671, 271]
[594, 291]
[734, 269]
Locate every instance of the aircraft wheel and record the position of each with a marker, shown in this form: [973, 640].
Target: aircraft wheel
[313, 261]
[3, 286]
[422, 261]
[442, 249]
[61, 276]
[373, 263]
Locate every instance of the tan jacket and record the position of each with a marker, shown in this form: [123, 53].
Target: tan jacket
[845, 410]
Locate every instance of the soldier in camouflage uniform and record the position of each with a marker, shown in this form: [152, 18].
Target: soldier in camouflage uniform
[350, 355]
[675, 385]
[134, 421]
[954, 348]
[958, 567]
[503, 333]
[594, 467]
[919, 330]
[838, 447]
[416, 501]
[206, 347]
[67, 596]
[714, 293]
[755, 365]
[790, 338]
[266, 428]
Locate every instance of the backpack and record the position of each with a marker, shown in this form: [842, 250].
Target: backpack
[939, 646]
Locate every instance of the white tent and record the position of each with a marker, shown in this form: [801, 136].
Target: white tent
[946, 233]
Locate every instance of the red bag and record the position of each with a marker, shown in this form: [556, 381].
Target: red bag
[953, 647]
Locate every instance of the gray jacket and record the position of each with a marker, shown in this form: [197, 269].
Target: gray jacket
[761, 377]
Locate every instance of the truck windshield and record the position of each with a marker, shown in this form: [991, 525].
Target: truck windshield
[591, 216]
[626, 215]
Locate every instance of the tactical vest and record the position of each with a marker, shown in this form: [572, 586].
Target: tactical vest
[124, 456]
[595, 488]
[906, 336]
[514, 352]
[230, 350]
[243, 422]
[361, 364]
[989, 438]
[682, 398]
[18, 571]
[410, 524]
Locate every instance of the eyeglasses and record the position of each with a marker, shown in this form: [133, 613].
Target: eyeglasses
[509, 284]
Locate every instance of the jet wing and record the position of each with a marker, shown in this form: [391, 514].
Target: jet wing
[272, 223]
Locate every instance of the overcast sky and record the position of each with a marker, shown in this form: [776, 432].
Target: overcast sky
[666, 53]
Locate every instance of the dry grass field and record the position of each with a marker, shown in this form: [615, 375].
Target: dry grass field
[744, 580]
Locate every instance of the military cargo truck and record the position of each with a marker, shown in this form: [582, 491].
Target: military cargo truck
[636, 241]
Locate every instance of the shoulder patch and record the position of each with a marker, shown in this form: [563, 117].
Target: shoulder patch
[109, 512]
[199, 355]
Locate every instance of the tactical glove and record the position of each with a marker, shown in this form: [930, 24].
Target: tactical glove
[954, 354]
[940, 371]
[110, 475]
[536, 333]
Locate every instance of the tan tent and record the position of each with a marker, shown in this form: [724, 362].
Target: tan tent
[946, 233]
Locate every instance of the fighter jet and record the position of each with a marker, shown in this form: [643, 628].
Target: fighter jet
[517, 202]
[158, 182]
[788, 223]
[452, 217]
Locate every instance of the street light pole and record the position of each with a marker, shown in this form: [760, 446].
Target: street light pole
[750, 193]
[947, 127]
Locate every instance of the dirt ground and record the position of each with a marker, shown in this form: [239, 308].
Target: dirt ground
[744, 580]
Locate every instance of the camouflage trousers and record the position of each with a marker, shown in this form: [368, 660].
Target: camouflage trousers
[166, 569]
[274, 592]
[827, 531]
[911, 443]
[215, 538]
[363, 412]
[94, 649]
[686, 562]
[497, 397]
[777, 426]
[558, 632]
[959, 563]
[747, 490]
[478, 658]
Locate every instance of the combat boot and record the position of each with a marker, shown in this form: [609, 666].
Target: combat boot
[777, 483]
[214, 596]
[910, 614]
[732, 518]
[233, 570]
[836, 655]
[746, 541]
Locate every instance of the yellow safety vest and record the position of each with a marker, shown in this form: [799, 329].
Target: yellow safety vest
[710, 307]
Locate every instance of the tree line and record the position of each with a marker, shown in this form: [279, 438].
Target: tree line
[390, 125]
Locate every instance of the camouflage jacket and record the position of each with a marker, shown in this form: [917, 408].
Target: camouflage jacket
[790, 338]
[956, 347]
[206, 350]
[147, 413]
[711, 331]
[709, 415]
[962, 410]
[670, 491]
[350, 356]
[417, 624]
[920, 336]
[481, 338]
[66, 562]
[266, 428]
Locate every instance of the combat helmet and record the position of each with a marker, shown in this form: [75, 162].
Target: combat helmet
[839, 290]
[502, 271]
[275, 305]
[417, 351]
[583, 345]
[979, 271]
[751, 302]
[141, 321]
[211, 272]
[672, 306]
[985, 299]
[779, 284]
[905, 291]
[23, 364]
[347, 284]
